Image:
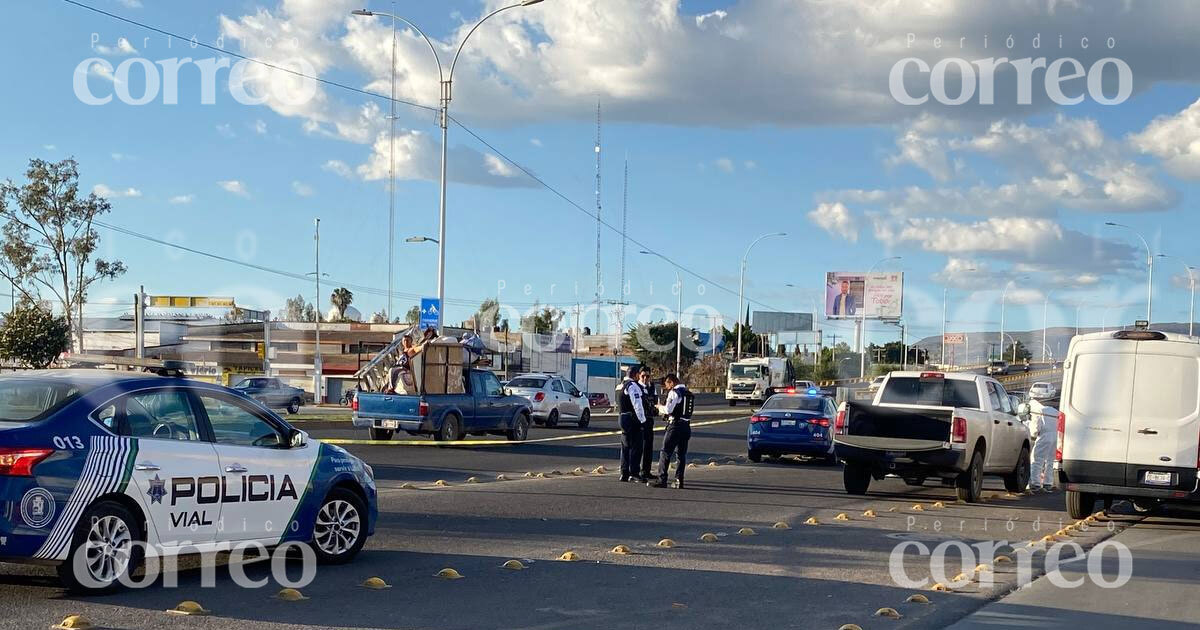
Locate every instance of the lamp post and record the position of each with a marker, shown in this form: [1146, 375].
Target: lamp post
[1045, 313]
[1003, 296]
[446, 80]
[742, 286]
[317, 384]
[1149, 268]
[862, 321]
[1192, 284]
[420, 239]
[678, 313]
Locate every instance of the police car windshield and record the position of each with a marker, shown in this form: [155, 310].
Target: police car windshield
[794, 403]
[527, 381]
[24, 400]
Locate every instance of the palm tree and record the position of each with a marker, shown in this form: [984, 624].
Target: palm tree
[341, 298]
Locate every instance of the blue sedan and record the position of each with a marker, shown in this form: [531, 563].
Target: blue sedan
[792, 424]
[98, 469]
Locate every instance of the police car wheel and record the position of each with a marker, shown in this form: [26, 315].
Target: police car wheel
[585, 419]
[105, 548]
[339, 531]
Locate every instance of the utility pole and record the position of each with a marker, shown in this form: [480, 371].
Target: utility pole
[599, 280]
[267, 343]
[139, 322]
[317, 307]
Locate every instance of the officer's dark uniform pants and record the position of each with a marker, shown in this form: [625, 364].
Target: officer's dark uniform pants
[631, 444]
[647, 448]
[675, 441]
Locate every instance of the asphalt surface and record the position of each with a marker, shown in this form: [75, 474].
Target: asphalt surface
[805, 576]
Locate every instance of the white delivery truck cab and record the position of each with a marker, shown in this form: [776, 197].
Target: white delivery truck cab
[758, 378]
[1129, 426]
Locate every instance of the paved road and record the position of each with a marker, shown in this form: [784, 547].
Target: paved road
[806, 576]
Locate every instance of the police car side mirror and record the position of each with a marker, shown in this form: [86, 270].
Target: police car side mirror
[298, 439]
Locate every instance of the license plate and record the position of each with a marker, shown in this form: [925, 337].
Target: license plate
[788, 423]
[775, 424]
[1158, 478]
[391, 424]
[895, 453]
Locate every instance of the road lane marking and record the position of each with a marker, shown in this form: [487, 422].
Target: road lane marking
[558, 438]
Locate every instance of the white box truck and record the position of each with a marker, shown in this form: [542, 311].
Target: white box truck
[757, 379]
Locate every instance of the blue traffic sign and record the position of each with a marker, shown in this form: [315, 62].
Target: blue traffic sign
[430, 310]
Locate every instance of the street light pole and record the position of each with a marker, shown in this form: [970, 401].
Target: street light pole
[1045, 329]
[1192, 283]
[1149, 267]
[1003, 296]
[317, 307]
[741, 290]
[862, 325]
[446, 82]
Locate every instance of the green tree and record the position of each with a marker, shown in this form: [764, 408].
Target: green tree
[488, 314]
[379, 317]
[341, 299]
[49, 240]
[1022, 352]
[413, 315]
[654, 345]
[294, 309]
[544, 320]
[33, 335]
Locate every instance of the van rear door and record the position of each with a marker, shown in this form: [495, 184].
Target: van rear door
[1099, 403]
[1164, 428]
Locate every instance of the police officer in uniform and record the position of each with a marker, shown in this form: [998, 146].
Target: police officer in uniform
[678, 412]
[650, 399]
[631, 421]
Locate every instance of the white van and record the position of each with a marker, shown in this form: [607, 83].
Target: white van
[1129, 426]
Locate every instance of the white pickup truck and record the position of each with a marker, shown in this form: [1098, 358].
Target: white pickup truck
[955, 426]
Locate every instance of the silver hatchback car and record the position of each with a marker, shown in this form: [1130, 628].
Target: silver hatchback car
[554, 399]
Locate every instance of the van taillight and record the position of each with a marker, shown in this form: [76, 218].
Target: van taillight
[19, 462]
[839, 422]
[958, 431]
[1062, 426]
[423, 409]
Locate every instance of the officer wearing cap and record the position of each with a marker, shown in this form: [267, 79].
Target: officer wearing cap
[632, 422]
[678, 412]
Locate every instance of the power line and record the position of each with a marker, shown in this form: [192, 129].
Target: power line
[250, 59]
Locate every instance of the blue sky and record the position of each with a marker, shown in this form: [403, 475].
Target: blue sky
[737, 118]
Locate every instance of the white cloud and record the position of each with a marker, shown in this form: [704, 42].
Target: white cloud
[338, 167]
[181, 199]
[49, 147]
[724, 163]
[1175, 140]
[109, 193]
[750, 165]
[417, 157]
[235, 187]
[226, 130]
[302, 189]
[98, 69]
[122, 48]
[259, 127]
[835, 218]
[120, 157]
[131, 4]
[535, 142]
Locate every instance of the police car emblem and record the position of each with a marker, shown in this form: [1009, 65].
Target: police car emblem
[37, 508]
[158, 490]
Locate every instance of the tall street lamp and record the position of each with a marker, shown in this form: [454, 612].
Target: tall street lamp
[317, 384]
[678, 313]
[862, 322]
[1045, 315]
[420, 239]
[446, 80]
[741, 289]
[1149, 267]
[1192, 283]
[1003, 297]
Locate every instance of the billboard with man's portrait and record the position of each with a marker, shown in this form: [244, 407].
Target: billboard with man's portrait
[847, 294]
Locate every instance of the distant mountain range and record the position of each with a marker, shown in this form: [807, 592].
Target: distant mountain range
[1057, 340]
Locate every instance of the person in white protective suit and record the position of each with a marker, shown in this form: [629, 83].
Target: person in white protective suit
[1043, 427]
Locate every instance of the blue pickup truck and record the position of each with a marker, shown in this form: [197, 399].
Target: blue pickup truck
[484, 408]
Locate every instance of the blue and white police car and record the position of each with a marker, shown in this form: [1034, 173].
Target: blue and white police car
[99, 468]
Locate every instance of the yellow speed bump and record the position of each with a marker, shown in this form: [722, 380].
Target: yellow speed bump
[678, 605]
[892, 509]
[963, 577]
[812, 520]
[472, 480]
[621, 550]
[850, 626]
[1002, 560]
[869, 514]
[842, 516]
[983, 568]
[713, 464]
[406, 486]
[501, 477]
[746, 531]
[938, 504]
[188, 607]
[890, 613]
[708, 537]
[569, 556]
[73, 622]
[441, 483]
[375, 584]
[917, 598]
[541, 475]
[941, 588]
[918, 508]
[527, 475]
[449, 574]
[666, 543]
[513, 565]
[599, 470]
[290, 595]
[781, 525]
[555, 473]
[577, 471]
